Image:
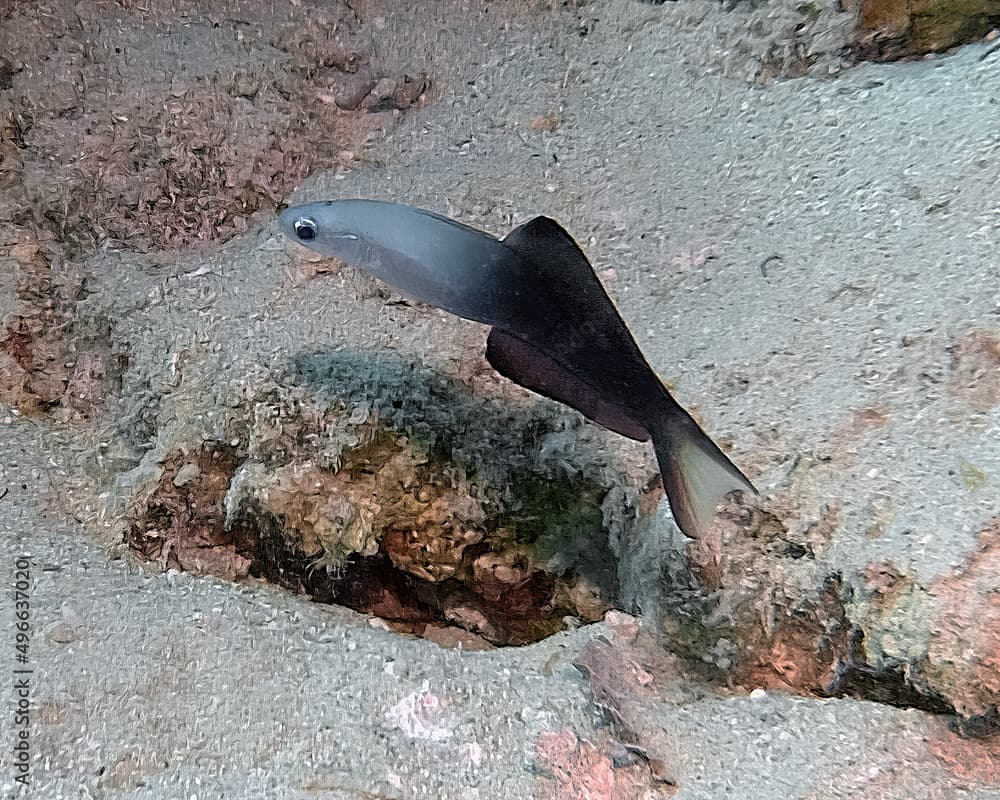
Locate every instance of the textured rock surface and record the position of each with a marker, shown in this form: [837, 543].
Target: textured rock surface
[381, 485]
[890, 29]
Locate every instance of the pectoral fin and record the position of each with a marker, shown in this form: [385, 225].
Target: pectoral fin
[535, 370]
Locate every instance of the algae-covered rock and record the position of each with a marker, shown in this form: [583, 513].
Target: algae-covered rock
[892, 29]
[382, 486]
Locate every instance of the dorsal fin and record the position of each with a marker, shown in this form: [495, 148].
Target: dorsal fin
[535, 370]
[562, 272]
[545, 240]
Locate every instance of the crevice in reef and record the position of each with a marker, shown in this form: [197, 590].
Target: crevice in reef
[413, 502]
[805, 647]
[897, 686]
[890, 686]
[495, 584]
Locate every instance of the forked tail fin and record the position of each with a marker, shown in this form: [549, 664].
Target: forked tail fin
[697, 475]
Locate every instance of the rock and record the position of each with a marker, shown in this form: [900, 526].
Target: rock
[354, 88]
[380, 94]
[431, 553]
[572, 768]
[6, 73]
[963, 659]
[894, 29]
[510, 580]
[187, 473]
[13, 384]
[544, 122]
[456, 638]
[408, 90]
[976, 369]
[61, 633]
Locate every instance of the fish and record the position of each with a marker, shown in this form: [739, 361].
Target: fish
[553, 327]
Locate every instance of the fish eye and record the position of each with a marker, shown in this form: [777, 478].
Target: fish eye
[306, 228]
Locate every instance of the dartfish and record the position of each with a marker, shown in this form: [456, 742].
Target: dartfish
[554, 329]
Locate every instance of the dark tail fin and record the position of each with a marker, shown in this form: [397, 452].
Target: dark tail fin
[697, 475]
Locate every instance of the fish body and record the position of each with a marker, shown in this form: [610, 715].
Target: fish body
[424, 255]
[555, 330]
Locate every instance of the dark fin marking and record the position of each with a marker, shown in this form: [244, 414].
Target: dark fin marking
[545, 243]
[535, 370]
[697, 475]
[562, 268]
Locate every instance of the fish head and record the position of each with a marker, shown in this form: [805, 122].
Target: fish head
[423, 255]
[332, 228]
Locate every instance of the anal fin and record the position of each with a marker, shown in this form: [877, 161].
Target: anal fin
[536, 370]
